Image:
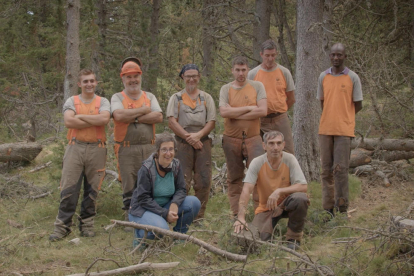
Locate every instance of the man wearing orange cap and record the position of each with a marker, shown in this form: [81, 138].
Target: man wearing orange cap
[85, 116]
[135, 114]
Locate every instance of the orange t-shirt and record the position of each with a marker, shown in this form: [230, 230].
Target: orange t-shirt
[338, 115]
[248, 95]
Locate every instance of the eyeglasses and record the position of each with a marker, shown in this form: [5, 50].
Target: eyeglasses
[165, 150]
[191, 77]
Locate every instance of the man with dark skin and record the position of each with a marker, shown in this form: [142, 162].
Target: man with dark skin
[340, 93]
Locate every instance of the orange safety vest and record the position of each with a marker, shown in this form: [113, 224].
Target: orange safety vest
[121, 128]
[99, 130]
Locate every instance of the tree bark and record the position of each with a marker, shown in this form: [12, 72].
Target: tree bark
[390, 156]
[72, 48]
[279, 13]
[19, 151]
[209, 15]
[153, 49]
[327, 32]
[385, 144]
[261, 27]
[98, 58]
[308, 67]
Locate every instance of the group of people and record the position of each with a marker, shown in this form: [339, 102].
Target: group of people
[157, 172]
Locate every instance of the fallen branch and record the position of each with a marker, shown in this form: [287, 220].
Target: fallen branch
[40, 167]
[113, 173]
[180, 236]
[41, 195]
[132, 269]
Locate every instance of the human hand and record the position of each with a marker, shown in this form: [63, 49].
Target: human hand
[272, 200]
[192, 138]
[145, 109]
[239, 225]
[198, 145]
[172, 217]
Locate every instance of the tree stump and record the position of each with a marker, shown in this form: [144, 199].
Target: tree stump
[19, 151]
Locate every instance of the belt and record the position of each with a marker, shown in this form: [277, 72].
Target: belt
[128, 143]
[272, 115]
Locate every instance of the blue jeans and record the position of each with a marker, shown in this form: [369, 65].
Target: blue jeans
[187, 211]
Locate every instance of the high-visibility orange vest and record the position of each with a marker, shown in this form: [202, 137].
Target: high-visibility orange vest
[90, 134]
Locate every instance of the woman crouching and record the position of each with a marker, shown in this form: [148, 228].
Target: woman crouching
[161, 197]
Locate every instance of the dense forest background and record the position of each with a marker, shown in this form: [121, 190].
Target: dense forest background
[39, 53]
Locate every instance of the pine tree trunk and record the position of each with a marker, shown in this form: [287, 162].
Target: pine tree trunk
[72, 48]
[153, 50]
[307, 107]
[261, 27]
[209, 14]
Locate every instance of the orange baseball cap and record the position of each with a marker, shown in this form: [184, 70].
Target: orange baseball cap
[130, 67]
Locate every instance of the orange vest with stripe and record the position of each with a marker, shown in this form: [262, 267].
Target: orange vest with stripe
[90, 134]
[131, 132]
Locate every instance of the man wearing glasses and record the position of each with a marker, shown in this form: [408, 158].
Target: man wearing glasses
[340, 93]
[191, 116]
[135, 114]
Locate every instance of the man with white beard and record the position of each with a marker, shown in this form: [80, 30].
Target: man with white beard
[135, 113]
[191, 116]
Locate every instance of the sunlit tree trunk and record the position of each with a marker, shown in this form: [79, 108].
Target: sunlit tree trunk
[307, 108]
[261, 27]
[72, 48]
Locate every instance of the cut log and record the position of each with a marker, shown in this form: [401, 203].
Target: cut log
[390, 156]
[360, 157]
[384, 178]
[385, 144]
[364, 169]
[19, 151]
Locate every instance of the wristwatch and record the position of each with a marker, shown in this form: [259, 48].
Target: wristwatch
[136, 120]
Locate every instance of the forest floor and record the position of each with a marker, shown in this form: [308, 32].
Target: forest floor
[367, 243]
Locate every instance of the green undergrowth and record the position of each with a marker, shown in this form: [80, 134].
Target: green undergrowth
[25, 226]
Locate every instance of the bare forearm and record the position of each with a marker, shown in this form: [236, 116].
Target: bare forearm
[95, 120]
[76, 123]
[129, 115]
[207, 129]
[290, 98]
[358, 106]
[244, 200]
[295, 188]
[151, 118]
[233, 112]
[254, 114]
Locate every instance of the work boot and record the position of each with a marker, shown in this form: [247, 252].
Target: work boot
[328, 215]
[58, 235]
[88, 233]
[127, 228]
[293, 244]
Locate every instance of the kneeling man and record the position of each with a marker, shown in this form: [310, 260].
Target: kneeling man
[282, 188]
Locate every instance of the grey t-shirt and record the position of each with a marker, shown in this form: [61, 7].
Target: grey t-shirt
[116, 102]
[70, 104]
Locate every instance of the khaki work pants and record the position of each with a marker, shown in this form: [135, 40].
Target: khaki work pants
[294, 207]
[335, 152]
[280, 123]
[199, 162]
[130, 158]
[81, 162]
[236, 150]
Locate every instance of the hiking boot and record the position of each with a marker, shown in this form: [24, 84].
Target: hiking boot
[328, 215]
[87, 233]
[57, 236]
[293, 244]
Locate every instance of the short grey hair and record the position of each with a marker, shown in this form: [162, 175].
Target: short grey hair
[272, 134]
[164, 138]
[268, 45]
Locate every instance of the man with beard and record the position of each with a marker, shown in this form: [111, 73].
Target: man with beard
[191, 116]
[279, 86]
[340, 93]
[282, 188]
[85, 116]
[242, 104]
[135, 113]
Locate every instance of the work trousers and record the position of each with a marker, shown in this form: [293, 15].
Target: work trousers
[130, 158]
[82, 161]
[187, 211]
[335, 152]
[199, 162]
[294, 207]
[236, 151]
[280, 123]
